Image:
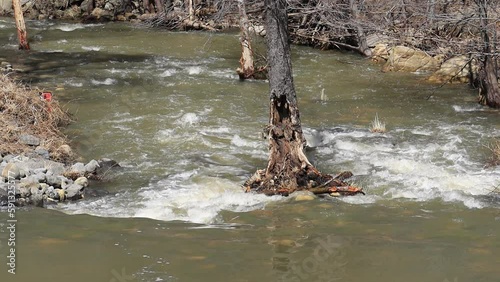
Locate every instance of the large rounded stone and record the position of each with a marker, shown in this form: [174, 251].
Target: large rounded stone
[303, 196]
[74, 191]
[11, 171]
[29, 139]
[402, 58]
[83, 181]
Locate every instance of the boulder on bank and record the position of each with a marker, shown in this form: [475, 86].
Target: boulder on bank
[457, 69]
[402, 58]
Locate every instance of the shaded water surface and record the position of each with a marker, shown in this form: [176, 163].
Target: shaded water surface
[170, 109]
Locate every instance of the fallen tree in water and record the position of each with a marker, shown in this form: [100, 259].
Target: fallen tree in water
[288, 169]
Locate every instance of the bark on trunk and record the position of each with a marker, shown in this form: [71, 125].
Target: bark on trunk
[246, 69]
[22, 35]
[190, 9]
[360, 32]
[489, 89]
[288, 168]
[159, 6]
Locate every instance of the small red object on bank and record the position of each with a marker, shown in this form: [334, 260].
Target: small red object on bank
[47, 96]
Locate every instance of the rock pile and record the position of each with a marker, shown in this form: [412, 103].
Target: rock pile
[40, 182]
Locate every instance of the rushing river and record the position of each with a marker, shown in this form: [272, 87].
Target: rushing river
[170, 108]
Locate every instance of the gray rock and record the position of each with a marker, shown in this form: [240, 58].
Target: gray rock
[3, 195]
[78, 168]
[74, 191]
[35, 189]
[53, 180]
[36, 197]
[34, 178]
[40, 170]
[29, 139]
[44, 187]
[91, 166]
[11, 171]
[54, 168]
[44, 153]
[37, 200]
[50, 192]
[65, 182]
[1, 158]
[25, 191]
[9, 157]
[28, 167]
[40, 177]
[105, 165]
[84, 6]
[108, 6]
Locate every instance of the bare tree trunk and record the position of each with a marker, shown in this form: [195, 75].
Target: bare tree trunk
[22, 35]
[431, 7]
[145, 6]
[489, 90]
[190, 9]
[361, 36]
[159, 6]
[288, 168]
[246, 69]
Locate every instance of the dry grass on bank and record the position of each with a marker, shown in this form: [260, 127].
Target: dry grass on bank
[495, 151]
[22, 111]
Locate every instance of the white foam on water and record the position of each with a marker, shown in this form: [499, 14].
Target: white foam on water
[107, 81]
[468, 108]
[69, 27]
[227, 73]
[200, 202]
[418, 170]
[74, 83]
[72, 27]
[62, 41]
[176, 198]
[193, 70]
[191, 119]
[91, 48]
[168, 72]
[240, 142]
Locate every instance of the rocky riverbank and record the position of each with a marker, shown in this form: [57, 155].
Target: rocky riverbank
[37, 165]
[40, 182]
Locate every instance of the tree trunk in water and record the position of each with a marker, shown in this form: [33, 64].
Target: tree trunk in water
[288, 168]
[489, 89]
[361, 36]
[246, 69]
[22, 35]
